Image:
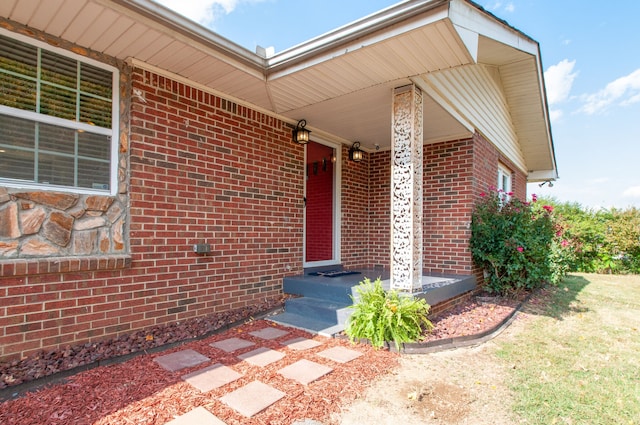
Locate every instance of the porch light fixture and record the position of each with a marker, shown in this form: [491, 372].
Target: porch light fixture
[300, 133]
[548, 182]
[355, 154]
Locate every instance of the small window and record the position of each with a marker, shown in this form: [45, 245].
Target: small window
[504, 183]
[58, 115]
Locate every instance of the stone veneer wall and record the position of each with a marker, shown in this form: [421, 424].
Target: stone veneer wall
[50, 224]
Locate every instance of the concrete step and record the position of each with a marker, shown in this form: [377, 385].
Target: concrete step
[307, 323]
[320, 309]
[335, 289]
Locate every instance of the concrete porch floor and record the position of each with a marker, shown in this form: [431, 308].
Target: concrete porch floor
[323, 303]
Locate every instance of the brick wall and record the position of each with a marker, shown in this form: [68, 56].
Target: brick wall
[202, 170]
[355, 189]
[380, 210]
[448, 177]
[455, 173]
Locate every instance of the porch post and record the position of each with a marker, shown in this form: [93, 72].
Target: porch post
[406, 190]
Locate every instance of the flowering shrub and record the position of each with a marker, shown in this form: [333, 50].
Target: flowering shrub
[513, 242]
[381, 316]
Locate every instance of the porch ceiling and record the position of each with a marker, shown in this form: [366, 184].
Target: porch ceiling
[339, 82]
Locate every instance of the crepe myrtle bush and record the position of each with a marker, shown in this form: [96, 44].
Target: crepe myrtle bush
[384, 316]
[512, 241]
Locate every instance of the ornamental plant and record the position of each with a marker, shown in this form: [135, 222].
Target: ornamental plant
[513, 241]
[382, 316]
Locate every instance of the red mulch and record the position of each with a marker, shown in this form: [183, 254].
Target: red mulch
[139, 391]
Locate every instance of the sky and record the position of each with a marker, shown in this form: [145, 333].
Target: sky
[591, 60]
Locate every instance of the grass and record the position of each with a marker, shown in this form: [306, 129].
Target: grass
[578, 362]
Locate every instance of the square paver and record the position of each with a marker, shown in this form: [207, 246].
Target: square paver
[305, 371]
[211, 377]
[197, 416]
[232, 344]
[301, 343]
[180, 360]
[340, 354]
[261, 356]
[269, 333]
[252, 398]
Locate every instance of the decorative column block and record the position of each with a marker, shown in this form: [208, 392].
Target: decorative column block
[406, 190]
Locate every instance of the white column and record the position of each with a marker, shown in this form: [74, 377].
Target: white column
[406, 190]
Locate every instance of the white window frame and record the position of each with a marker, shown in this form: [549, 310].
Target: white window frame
[504, 182]
[113, 132]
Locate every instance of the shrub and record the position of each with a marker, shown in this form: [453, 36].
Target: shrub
[382, 316]
[600, 241]
[513, 242]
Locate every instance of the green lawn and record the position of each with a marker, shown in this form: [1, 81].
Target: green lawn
[578, 362]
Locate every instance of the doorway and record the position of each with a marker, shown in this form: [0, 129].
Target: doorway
[321, 245]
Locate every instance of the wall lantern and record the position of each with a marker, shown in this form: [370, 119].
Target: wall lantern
[548, 182]
[300, 133]
[355, 154]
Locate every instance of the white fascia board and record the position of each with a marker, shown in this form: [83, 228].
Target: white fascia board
[473, 19]
[542, 176]
[470, 40]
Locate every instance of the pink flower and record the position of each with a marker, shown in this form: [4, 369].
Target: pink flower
[510, 193]
[483, 194]
[520, 249]
[534, 197]
[564, 243]
[548, 208]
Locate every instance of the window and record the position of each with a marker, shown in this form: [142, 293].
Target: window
[504, 183]
[58, 116]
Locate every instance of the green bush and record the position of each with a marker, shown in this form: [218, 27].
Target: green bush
[382, 316]
[513, 242]
[600, 241]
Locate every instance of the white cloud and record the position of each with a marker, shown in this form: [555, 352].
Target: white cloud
[201, 11]
[555, 114]
[623, 91]
[509, 7]
[559, 80]
[632, 192]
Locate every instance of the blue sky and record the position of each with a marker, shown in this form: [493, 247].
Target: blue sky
[590, 54]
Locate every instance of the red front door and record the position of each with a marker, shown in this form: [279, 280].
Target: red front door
[319, 235]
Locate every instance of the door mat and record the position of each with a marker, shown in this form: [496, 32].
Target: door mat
[334, 273]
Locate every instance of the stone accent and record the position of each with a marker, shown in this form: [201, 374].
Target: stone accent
[31, 220]
[105, 241]
[98, 203]
[114, 212]
[62, 225]
[9, 222]
[4, 195]
[118, 234]
[58, 228]
[59, 201]
[89, 223]
[8, 249]
[84, 243]
[39, 248]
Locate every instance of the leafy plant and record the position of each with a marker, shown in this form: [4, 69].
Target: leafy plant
[382, 316]
[601, 241]
[512, 241]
